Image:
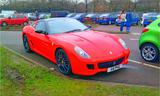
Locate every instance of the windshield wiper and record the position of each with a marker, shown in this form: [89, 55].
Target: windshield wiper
[73, 30]
[87, 29]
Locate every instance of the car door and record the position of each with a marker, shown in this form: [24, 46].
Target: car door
[11, 20]
[19, 19]
[41, 41]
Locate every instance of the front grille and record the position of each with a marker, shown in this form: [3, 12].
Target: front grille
[110, 63]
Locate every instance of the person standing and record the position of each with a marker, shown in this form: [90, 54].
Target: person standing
[37, 15]
[122, 18]
[128, 21]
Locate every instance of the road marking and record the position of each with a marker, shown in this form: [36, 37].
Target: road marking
[145, 64]
[136, 34]
[133, 39]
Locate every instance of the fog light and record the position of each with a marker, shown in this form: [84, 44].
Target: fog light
[90, 66]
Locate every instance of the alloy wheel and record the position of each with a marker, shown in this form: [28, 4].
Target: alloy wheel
[63, 62]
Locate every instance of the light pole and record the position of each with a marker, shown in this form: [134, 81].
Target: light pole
[86, 2]
[159, 6]
[76, 3]
[109, 7]
[135, 4]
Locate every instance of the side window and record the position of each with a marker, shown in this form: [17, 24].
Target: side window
[40, 26]
[14, 16]
[21, 16]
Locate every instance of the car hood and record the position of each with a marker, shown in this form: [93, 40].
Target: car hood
[96, 44]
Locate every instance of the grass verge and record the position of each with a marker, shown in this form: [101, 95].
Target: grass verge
[21, 78]
[11, 28]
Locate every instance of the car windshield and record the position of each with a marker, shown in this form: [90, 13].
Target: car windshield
[149, 15]
[90, 15]
[69, 15]
[78, 15]
[1, 16]
[59, 26]
[104, 15]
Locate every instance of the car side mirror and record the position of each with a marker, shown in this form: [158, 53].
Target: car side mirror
[9, 17]
[41, 32]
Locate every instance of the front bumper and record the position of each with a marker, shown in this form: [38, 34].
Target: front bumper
[0, 23]
[92, 67]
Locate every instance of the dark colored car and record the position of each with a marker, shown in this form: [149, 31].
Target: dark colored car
[70, 15]
[59, 14]
[79, 16]
[107, 18]
[149, 19]
[15, 19]
[91, 17]
[135, 19]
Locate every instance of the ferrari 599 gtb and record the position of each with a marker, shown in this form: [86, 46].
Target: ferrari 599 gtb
[74, 47]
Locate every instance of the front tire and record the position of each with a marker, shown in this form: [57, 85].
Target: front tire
[25, 23]
[63, 62]
[26, 44]
[149, 52]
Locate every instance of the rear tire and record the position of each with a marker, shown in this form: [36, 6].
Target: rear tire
[63, 62]
[150, 52]
[4, 24]
[26, 44]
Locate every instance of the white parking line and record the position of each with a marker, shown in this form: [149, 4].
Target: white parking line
[136, 34]
[133, 39]
[145, 64]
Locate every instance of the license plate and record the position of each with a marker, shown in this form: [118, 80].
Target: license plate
[149, 20]
[114, 68]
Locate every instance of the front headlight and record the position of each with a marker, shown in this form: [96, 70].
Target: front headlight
[123, 43]
[81, 52]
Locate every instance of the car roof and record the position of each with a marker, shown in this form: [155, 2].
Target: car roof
[59, 18]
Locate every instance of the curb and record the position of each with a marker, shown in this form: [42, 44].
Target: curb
[25, 58]
[58, 74]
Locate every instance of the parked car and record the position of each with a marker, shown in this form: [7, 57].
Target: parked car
[91, 17]
[72, 46]
[8, 12]
[70, 15]
[79, 16]
[31, 16]
[42, 15]
[135, 19]
[144, 15]
[59, 14]
[15, 19]
[107, 18]
[149, 19]
[149, 42]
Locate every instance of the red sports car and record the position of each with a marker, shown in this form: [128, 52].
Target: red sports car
[74, 47]
[15, 19]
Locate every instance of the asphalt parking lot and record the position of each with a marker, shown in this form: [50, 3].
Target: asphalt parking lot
[136, 72]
